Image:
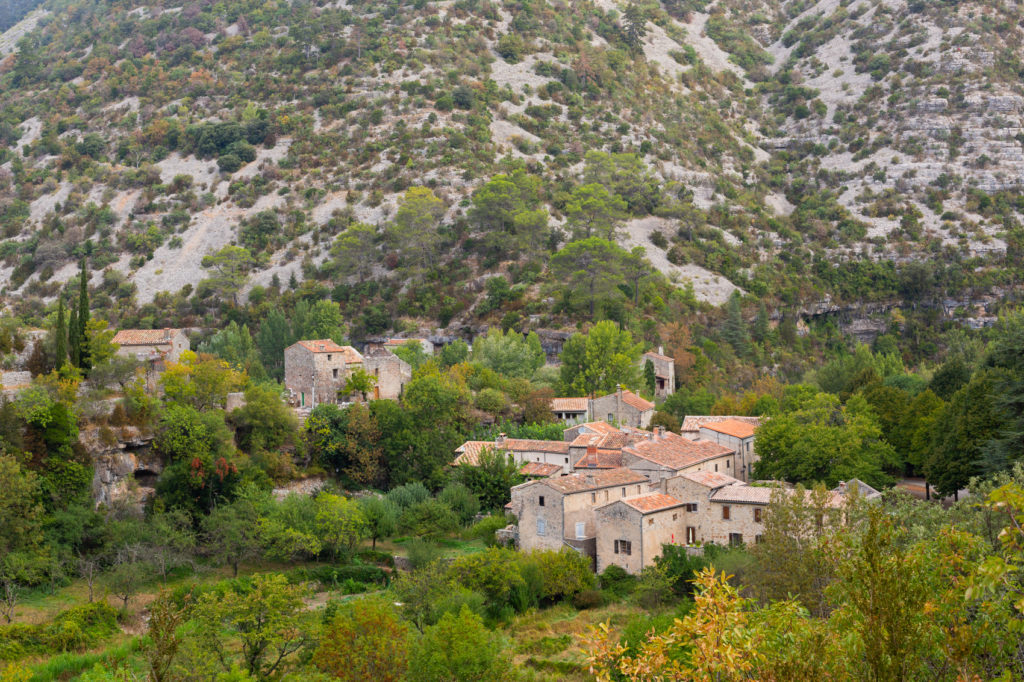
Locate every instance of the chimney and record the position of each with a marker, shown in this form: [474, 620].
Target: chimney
[661, 432]
[500, 440]
[661, 350]
[167, 334]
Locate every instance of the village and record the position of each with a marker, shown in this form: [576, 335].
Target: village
[615, 489]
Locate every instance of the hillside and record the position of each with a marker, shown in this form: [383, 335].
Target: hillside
[855, 151]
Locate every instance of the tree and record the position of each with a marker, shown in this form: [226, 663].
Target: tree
[162, 642]
[453, 353]
[823, 441]
[201, 381]
[380, 516]
[81, 331]
[322, 320]
[459, 648]
[366, 640]
[734, 331]
[650, 379]
[634, 25]
[509, 353]
[266, 623]
[230, 269]
[339, 523]
[21, 515]
[265, 422]
[490, 480]
[597, 362]
[354, 251]
[593, 211]
[230, 534]
[1007, 354]
[591, 267]
[414, 232]
[964, 426]
[60, 334]
[412, 352]
[273, 337]
[234, 345]
[505, 208]
[360, 382]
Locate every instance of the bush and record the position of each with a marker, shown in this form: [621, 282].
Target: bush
[422, 553]
[588, 599]
[679, 567]
[486, 528]
[71, 630]
[617, 581]
[229, 163]
[429, 518]
[459, 498]
[563, 573]
[331, 575]
[409, 494]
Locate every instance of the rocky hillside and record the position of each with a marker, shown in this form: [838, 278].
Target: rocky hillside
[859, 150]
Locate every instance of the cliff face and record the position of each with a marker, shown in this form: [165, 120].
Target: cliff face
[125, 467]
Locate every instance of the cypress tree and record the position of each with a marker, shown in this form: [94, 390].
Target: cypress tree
[84, 357]
[61, 335]
[650, 379]
[72, 335]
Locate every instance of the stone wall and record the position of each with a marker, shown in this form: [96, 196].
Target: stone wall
[392, 373]
[300, 367]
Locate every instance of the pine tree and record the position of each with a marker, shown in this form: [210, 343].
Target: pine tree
[60, 334]
[634, 26]
[735, 329]
[84, 356]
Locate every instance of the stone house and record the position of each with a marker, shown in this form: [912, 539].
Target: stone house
[630, 532]
[554, 512]
[737, 436]
[693, 423]
[315, 370]
[523, 451]
[392, 373]
[425, 344]
[570, 410]
[663, 454]
[623, 407]
[151, 345]
[664, 372]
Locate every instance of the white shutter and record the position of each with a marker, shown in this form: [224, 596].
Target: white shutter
[581, 530]
[542, 527]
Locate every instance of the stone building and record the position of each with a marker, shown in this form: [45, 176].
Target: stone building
[523, 451]
[554, 512]
[630, 532]
[693, 423]
[151, 345]
[315, 370]
[663, 454]
[391, 372]
[664, 372]
[426, 344]
[624, 408]
[738, 436]
[570, 410]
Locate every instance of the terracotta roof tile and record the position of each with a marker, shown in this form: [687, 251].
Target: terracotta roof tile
[595, 427]
[652, 502]
[601, 459]
[693, 423]
[675, 452]
[743, 494]
[143, 337]
[710, 479]
[658, 356]
[732, 427]
[469, 452]
[568, 404]
[352, 356]
[539, 469]
[633, 400]
[606, 478]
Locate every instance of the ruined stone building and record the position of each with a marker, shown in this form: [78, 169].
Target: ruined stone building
[664, 372]
[151, 345]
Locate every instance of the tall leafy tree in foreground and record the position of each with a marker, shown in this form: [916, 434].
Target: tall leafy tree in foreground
[596, 362]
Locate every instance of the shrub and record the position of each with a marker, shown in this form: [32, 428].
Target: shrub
[409, 494]
[229, 163]
[679, 567]
[429, 518]
[563, 573]
[486, 528]
[422, 553]
[71, 630]
[617, 581]
[588, 599]
[463, 502]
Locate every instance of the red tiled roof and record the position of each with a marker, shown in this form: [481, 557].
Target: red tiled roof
[469, 452]
[693, 423]
[600, 459]
[568, 404]
[595, 427]
[582, 482]
[743, 494]
[675, 452]
[652, 502]
[352, 356]
[539, 469]
[658, 356]
[633, 400]
[143, 337]
[732, 427]
[710, 479]
[608, 441]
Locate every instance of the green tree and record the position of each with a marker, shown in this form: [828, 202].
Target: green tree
[593, 211]
[459, 648]
[412, 352]
[229, 268]
[321, 320]
[359, 382]
[509, 353]
[234, 345]
[453, 353]
[734, 331]
[591, 268]
[265, 422]
[60, 335]
[21, 515]
[354, 251]
[366, 640]
[230, 534]
[597, 362]
[264, 625]
[274, 335]
[490, 480]
[1007, 354]
[381, 517]
[823, 441]
[414, 232]
[634, 25]
[650, 379]
[339, 523]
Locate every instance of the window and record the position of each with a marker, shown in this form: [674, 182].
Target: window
[593, 498]
[725, 512]
[735, 539]
[716, 466]
[581, 530]
[758, 539]
[540, 501]
[611, 417]
[675, 516]
[757, 514]
[623, 492]
[691, 507]
[328, 357]
[650, 522]
[623, 547]
[728, 464]
[566, 460]
[542, 527]
[691, 535]
[335, 373]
